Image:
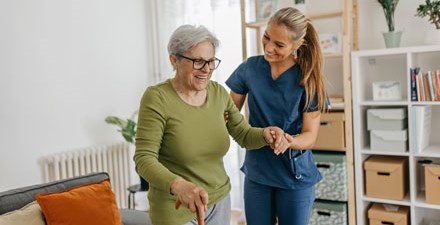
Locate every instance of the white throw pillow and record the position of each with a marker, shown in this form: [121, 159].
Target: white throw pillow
[30, 214]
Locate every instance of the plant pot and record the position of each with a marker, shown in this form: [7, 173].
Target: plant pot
[392, 39]
[432, 37]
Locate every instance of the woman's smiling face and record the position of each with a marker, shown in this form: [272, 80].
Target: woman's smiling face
[277, 43]
[192, 79]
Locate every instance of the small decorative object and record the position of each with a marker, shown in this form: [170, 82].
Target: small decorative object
[431, 9]
[386, 91]
[392, 37]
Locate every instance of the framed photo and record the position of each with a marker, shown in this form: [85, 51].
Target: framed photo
[330, 43]
[387, 91]
[265, 8]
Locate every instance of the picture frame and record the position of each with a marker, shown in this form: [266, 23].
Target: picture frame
[387, 91]
[265, 8]
[330, 43]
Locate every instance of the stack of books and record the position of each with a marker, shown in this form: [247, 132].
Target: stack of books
[425, 86]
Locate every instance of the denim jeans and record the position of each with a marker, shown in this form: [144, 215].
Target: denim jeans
[264, 205]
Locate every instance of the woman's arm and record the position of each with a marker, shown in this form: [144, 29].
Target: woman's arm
[309, 132]
[238, 99]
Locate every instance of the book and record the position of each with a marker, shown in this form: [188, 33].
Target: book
[421, 116]
[413, 72]
[431, 85]
[422, 88]
[436, 85]
[426, 87]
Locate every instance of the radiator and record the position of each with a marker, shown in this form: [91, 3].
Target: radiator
[113, 158]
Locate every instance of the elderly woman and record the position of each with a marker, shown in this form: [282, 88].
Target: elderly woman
[182, 135]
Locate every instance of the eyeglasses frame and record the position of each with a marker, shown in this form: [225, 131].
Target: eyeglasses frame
[204, 64]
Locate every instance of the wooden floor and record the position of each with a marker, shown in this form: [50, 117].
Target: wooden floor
[237, 218]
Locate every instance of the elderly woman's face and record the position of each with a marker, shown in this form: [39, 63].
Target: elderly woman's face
[193, 79]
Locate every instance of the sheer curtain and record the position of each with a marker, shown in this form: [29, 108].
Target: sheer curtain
[221, 17]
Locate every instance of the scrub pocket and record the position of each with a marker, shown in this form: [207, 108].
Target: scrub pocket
[303, 167]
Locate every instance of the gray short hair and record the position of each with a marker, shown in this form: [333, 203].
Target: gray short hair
[187, 36]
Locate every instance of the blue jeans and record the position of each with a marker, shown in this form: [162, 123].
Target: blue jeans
[264, 204]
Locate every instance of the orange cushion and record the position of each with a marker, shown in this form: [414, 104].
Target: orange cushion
[92, 204]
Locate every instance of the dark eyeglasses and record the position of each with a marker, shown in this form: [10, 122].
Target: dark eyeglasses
[199, 64]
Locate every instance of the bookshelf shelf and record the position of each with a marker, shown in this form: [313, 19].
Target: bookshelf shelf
[394, 64]
[405, 202]
[420, 202]
[366, 151]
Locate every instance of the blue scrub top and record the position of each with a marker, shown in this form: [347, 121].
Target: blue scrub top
[279, 103]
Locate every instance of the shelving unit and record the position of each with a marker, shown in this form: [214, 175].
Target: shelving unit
[384, 65]
[337, 67]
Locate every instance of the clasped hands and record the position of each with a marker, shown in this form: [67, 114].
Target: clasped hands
[277, 139]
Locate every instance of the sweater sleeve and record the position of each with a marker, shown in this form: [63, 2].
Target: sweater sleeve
[245, 135]
[149, 136]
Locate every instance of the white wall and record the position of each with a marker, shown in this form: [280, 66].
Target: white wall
[372, 24]
[64, 66]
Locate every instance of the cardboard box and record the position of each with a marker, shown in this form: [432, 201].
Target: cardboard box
[331, 135]
[386, 177]
[432, 184]
[389, 140]
[386, 119]
[379, 215]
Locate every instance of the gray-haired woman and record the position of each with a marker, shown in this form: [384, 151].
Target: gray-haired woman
[182, 136]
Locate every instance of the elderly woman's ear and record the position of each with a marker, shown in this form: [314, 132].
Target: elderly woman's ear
[173, 60]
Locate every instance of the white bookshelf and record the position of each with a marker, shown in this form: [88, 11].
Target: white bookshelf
[384, 65]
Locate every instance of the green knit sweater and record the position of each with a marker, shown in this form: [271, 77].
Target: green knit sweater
[175, 139]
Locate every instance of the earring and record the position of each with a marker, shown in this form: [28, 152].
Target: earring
[295, 53]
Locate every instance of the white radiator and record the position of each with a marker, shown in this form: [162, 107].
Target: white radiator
[113, 159]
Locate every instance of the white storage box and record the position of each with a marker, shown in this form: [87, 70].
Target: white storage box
[328, 213]
[389, 140]
[333, 185]
[386, 119]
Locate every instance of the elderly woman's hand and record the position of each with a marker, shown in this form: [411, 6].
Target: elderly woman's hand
[193, 197]
[274, 136]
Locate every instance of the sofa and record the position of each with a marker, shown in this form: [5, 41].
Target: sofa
[17, 198]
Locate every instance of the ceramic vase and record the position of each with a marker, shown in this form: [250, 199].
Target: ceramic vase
[392, 39]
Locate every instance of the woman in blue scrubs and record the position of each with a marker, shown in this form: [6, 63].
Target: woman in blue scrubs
[285, 88]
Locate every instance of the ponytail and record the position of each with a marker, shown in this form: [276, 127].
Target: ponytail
[310, 60]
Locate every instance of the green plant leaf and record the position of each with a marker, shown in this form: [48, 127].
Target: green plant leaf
[127, 127]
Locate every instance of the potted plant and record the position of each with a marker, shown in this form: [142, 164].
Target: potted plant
[127, 127]
[431, 9]
[392, 37]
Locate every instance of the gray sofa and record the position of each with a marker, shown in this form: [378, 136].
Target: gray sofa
[17, 198]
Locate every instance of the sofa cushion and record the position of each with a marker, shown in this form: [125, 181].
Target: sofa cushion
[30, 214]
[17, 198]
[92, 204]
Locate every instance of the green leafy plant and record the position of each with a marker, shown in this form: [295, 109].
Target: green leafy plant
[389, 6]
[127, 127]
[300, 1]
[432, 10]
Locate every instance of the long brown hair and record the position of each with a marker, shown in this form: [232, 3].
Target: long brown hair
[308, 56]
